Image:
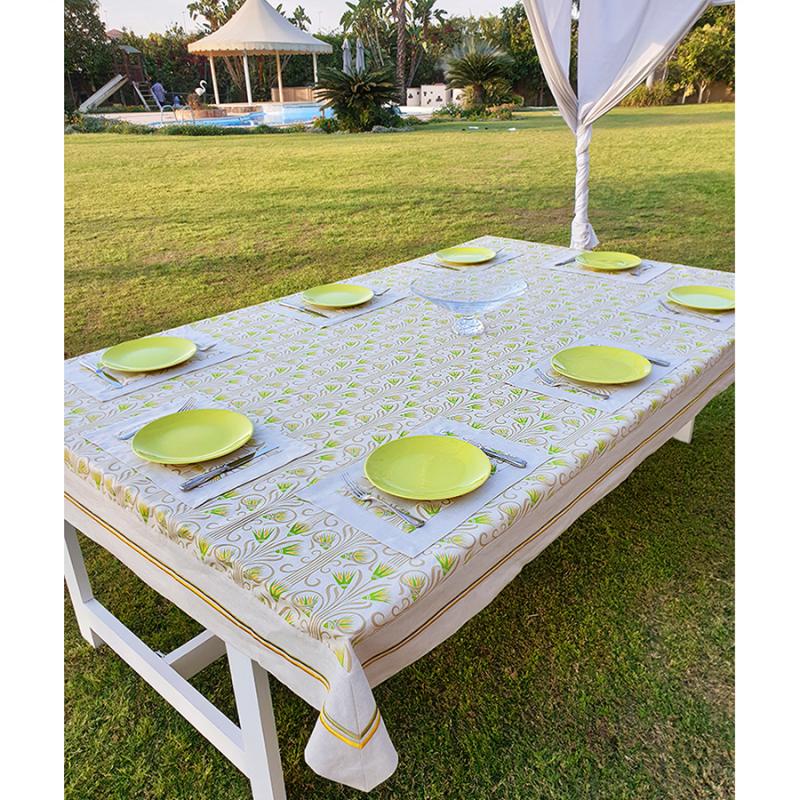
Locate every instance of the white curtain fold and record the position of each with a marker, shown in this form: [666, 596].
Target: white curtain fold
[619, 43]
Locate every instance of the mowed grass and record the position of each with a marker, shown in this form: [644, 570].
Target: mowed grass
[605, 670]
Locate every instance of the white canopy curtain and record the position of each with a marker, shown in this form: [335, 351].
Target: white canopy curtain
[619, 44]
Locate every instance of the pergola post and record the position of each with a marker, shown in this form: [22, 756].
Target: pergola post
[280, 78]
[214, 80]
[247, 79]
[314, 58]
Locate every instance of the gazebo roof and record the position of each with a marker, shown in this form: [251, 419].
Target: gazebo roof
[257, 29]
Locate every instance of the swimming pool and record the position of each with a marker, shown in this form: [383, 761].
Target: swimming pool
[279, 115]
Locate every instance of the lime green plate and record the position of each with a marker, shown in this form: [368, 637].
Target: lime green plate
[600, 364]
[427, 467]
[189, 437]
[465, 256]
[608, 261]
[338, 295]
[148, 354]
[706, 298]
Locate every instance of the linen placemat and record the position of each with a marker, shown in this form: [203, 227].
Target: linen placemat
[655, 307]
[210, 350]
[441, 516]
[169, 478]
[650, 270]
[431, 262]
[325, 317]
[620, 394]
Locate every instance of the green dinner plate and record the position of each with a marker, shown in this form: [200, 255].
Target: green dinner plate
[600, 364]
[148, 354]
[465, 256]
[427, 467]
[706, 298]
[189, 437]
[608, 261]
[338, 295]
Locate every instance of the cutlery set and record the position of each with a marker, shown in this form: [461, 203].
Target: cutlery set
[222, 469]
[686, 313]
[562, 383]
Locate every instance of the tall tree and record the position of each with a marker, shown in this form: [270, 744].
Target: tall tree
[371, 20]
[427, 35]
[213, 14]
[400, 23]
[87, 51]
[706, 55]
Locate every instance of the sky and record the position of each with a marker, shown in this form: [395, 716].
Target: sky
[146, 16]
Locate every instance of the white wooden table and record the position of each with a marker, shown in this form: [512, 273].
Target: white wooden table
[294, 592]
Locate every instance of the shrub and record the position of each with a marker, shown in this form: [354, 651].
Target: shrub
[325, 124]
[503, 111]
[358, 100]
[482, 69]
[659, 95]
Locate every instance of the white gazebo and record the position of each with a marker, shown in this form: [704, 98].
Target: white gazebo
[257, 29]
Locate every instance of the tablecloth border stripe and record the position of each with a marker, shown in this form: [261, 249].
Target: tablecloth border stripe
[357, 740]
[200, 593]
[464, 592]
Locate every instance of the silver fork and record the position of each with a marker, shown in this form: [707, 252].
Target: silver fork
[129, 433]
[686, 313]
[567, 385]
[101, 373]
[368, 497]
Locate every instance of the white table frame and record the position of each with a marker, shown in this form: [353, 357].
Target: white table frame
[252, 746]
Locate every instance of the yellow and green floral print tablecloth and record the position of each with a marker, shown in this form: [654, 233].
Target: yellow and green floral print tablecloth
[323, 606]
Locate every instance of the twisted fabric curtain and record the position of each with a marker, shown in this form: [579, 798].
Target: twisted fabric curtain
[619, 44]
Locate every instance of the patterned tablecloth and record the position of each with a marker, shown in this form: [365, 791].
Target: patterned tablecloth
[324, 606]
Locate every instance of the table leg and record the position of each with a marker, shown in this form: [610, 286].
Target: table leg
[685, 433]
[80, 590]
[257, 723]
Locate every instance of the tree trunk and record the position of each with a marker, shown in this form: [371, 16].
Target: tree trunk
[400, 15]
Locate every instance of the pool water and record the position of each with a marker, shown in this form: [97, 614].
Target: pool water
[285, 115]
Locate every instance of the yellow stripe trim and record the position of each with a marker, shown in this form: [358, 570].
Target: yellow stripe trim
[199, 593]
[358, 744]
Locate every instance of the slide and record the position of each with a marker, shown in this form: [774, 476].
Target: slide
[103, 93]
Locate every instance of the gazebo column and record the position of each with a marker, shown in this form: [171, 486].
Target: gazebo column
[247, 79]
[314, 59]
[214, 80]
[280, 78]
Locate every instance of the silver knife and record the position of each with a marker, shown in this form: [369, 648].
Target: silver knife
[657, 361]
[306, 310]
[498, 455]
[101, 373]
[562, 263]
[204, 477]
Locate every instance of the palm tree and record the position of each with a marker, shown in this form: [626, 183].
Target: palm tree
[477, 65]
[400, 18]
[357, 100]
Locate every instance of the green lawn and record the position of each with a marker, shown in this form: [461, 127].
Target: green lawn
[605, 671]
